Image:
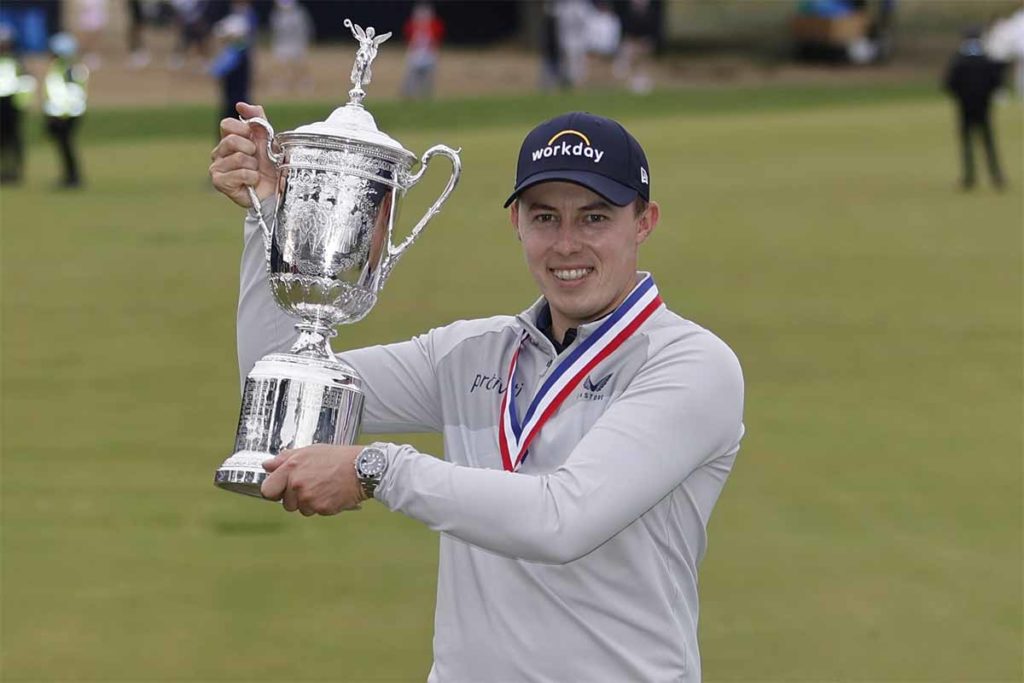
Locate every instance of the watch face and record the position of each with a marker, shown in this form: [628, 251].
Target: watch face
[372, 462]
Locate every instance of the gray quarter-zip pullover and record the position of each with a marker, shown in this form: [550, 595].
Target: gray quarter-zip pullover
[582, 565]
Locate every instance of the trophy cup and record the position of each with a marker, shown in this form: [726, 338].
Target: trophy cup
[328, 253]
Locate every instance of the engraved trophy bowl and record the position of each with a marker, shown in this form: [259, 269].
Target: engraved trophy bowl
[329, 251]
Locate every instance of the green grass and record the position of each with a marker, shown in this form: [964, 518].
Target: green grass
[872, 526]
[123, 124]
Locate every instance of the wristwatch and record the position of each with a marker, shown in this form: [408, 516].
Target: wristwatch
[371, 464]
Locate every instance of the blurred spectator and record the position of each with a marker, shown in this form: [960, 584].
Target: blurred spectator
[972, 78]
[604, 30]
[880, 29]
[244, 9]
[16, 88]
[64, 103]
[573, 17]
[232, 65]
[423, 33]
[92, 21]
[640, 30]
[552, 73]
[291, 31]
[193, 31]
[138, 54]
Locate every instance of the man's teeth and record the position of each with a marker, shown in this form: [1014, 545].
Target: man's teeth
[571, 274]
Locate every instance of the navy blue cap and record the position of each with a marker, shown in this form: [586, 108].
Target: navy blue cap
[588, 150]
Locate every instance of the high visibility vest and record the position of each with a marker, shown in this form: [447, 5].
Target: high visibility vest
[12, 83]
[65, 90]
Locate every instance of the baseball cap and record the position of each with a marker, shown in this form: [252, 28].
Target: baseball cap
[586, 149]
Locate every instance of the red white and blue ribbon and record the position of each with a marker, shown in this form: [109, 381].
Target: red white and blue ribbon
[514, 437]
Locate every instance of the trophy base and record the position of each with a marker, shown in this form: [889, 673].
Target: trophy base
[290, 401]
[243, 473]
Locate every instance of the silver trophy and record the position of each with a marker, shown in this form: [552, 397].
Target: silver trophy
[329, 251]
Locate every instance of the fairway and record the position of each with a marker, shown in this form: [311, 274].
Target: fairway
[872, 526]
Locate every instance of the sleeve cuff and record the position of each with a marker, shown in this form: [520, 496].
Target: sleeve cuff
[387, 482]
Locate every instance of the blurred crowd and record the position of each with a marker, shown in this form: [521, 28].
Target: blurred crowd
[577, 33]
[217, 39]
[581, 43]
[62, 96]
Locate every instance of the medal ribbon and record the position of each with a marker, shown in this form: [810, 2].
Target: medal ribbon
[514, 437]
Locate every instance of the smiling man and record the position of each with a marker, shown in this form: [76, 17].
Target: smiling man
[587, 439]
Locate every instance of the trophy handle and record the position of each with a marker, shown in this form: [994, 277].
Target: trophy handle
[394, 252]
[275, 158]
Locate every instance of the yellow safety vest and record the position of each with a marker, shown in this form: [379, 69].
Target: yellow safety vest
[20, 85]
[65, 90]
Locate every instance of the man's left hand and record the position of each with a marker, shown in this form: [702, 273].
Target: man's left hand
[315, 480]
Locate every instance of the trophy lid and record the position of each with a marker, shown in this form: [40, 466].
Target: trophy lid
[354, 123]
[351, 121]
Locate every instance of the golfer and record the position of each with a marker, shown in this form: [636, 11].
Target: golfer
[587, 438]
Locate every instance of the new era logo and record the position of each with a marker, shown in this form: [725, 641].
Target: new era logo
[643, 176]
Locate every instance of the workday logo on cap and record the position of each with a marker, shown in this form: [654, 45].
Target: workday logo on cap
[565, 148]
[588, 150]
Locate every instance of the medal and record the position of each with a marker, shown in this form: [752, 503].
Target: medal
[514, 437]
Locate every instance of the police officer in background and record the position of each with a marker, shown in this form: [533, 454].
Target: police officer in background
[64, 103]
[16, 88]
[972, 79]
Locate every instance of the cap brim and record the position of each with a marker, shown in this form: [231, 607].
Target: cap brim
[617, 193]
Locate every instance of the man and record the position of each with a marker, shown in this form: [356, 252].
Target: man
[587, 439]
[16, 88]
[640, 35]
[64, 103]
[232, 66]
[423, 32]
[291, 31]
[972, 79]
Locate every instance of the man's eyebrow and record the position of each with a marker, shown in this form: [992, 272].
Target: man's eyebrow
[537, 206]
[597, 205]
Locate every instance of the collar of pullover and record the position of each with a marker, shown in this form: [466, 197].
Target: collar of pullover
[536, 321]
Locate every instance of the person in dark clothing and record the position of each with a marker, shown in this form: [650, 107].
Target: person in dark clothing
[639, 40]
[972, 78]
[64, 104]
[16, 88]
[552, 69]
[233, 65]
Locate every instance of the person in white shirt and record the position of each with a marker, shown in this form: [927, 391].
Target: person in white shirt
[291, 31]
[587, 439]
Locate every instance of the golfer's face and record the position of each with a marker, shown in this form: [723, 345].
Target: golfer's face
[581, 250]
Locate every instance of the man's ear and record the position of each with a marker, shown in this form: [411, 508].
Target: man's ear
[647, 221]
[513, 216]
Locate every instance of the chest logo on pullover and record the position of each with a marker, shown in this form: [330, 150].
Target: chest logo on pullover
[592, 390]
[493, 383]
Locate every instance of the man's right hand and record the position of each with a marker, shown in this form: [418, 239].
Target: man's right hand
[240, 158]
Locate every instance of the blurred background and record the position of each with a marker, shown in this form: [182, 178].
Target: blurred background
[821, 213]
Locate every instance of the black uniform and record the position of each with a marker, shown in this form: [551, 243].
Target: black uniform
[972, 78]
[12, 149]
[233, 67]
[63, 112]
